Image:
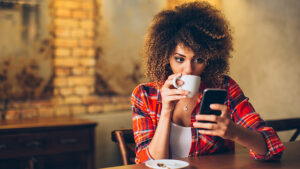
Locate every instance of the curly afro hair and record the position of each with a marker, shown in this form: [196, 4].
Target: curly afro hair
[197, 25]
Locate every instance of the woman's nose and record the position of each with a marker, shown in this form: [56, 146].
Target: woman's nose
[188, 68]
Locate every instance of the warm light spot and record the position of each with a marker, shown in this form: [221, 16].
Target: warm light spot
[171, 3]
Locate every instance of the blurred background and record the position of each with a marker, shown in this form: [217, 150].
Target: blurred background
[83, 58]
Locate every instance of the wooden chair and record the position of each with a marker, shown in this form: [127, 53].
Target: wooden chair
[124, 138]
[284, 125]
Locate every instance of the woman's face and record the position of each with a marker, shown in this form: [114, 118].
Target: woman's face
[183, 60]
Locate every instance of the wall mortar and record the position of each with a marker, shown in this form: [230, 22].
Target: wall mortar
[74, 61]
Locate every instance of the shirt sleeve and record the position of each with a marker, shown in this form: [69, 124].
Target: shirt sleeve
[243, 113]
[142, 124]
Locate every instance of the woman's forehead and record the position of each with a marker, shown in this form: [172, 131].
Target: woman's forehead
[181, 48]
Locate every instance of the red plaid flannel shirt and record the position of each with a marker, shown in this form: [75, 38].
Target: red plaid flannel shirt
[146, 106]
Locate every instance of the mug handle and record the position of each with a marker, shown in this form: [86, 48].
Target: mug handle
[175, 81]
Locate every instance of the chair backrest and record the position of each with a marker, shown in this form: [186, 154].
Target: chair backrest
[125, 139]
[286, 124]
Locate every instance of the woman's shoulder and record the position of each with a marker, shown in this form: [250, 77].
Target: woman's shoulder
[149, 88]
[143, 94]
[228, 81]
[232, 87]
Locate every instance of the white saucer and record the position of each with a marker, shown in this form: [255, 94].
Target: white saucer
[168, 163]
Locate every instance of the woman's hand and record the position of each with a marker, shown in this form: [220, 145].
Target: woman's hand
[223, 126]
[170, 95]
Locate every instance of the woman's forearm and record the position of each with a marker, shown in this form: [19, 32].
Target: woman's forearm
[159, 146]
[250, 139]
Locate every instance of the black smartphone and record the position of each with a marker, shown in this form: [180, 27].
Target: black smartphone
[212, 96]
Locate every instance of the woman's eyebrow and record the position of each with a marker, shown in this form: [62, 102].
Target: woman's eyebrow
[185, 56]
[180, 54]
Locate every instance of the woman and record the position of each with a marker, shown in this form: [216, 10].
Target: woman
[193, 39]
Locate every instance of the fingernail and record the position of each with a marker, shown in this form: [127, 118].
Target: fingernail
[212, 106]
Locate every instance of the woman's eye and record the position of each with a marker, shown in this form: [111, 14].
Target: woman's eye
[179, 59]
[199, 60]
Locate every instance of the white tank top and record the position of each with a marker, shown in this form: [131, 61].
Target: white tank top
[180, 141]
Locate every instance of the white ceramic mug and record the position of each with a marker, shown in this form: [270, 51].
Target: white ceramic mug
[191, 83]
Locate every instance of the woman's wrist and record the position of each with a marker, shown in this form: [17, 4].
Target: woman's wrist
[165, 113]
[250, 139]
[236, 132]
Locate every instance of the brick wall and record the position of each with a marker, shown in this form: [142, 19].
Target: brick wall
[74, 67]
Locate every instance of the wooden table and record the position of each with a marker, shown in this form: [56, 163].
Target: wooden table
[62, 142]
[240, 159]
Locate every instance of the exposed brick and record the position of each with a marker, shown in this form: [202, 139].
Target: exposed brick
[120, 99]
[88, 61]
[123, 106]
[81, 90]
[60, 82]
[79, 70]
[66, 23]
[88, 24]
[77, 33]
[94, 99]
[95, 109]
[41, 103]
[66, 91]
[16, 104]
[62, 32]
[115, 107]
[90, 14]
[90, 33]
[66, 4]
[66, 62]
[29, 113]
[91, 71]
[56, 92]
[62, 111]
[62, 12]
[92, 89]
[46, 111]
[88, 6]
[79, 52]
[59, 42]
[58, 4]
[74, 66]
[58, 100]
[73, 100]
[79, 14]
[109, 107]
[81, 80]
[12, 114]
[86, 42]
[62, 52]
[63, 71]
[91, 52]
[76, 110]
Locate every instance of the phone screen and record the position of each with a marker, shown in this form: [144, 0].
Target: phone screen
[211, 96]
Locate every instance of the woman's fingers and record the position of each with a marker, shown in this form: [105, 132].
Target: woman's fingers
[169, 81]
[171, 77]
[176, 97]
[210, 118]
[216, 125]
[220, 107]
[203, 125]
[208, 132]
[177, 92]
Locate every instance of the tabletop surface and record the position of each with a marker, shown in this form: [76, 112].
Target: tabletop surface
[239, 159]
[43, 123]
